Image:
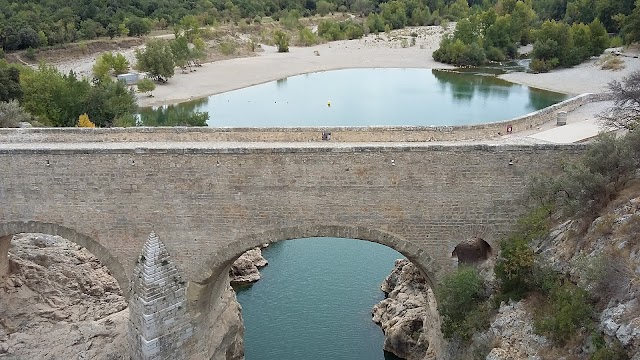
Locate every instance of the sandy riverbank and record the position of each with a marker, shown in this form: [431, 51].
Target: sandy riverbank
[371, 51]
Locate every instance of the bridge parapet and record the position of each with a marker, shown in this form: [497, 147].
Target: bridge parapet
[296, 134]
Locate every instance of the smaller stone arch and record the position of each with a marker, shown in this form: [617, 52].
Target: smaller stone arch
[8, 229]
[472, 251]
[472, 244]
[208, 284]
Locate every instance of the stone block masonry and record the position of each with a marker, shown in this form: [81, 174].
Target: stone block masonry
[159, 326]
[210, 202]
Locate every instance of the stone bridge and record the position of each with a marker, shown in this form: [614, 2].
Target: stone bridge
[208, 202]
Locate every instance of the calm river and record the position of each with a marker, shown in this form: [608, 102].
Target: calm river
[314, 301]
[365, 97]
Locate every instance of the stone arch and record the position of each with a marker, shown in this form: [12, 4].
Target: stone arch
[7, 230]
[207, 285]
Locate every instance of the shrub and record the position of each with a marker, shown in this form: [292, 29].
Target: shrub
[542, 66]
[84, 122]
[146, 86]
[30, 54]
[307, 37]
[282, 41]
[227, 47]
[515, 268]
[611, 62]
[460, 303]
[495, 54]
[12, 114]
[567, 311]
[615, 41]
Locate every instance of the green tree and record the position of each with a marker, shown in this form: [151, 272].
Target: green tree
[109, 100]
[631, 25]
[324, 7]
[394, 14]
[554, 45]
[10, 88]
[157, 60]
[146, 86]
[180, 50]
[599, 37]
[282, 41]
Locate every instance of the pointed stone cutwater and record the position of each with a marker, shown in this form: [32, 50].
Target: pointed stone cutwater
[158, 324]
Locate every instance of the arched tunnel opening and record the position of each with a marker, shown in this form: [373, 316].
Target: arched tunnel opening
[473, 251]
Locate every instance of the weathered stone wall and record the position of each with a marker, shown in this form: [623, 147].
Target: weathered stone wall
[211, 204]
[300, 134]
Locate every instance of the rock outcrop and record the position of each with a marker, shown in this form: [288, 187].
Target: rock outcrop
[606, 262]
[246, 269]
[408, 315]
[59, 302]
[512, 334]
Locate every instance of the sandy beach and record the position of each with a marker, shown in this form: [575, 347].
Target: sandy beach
[369, 52]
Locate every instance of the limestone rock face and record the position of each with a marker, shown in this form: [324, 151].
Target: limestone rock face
[246, 269]
[59, 302]
[606, 262]
[408, 316]
[513, 329]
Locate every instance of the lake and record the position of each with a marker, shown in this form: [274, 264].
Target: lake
[366, 97]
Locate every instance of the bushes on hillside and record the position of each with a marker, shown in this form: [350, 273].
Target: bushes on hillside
[345, 30]
[461, 304]
[559, 45]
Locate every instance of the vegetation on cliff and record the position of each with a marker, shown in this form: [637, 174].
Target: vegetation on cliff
[571, 257]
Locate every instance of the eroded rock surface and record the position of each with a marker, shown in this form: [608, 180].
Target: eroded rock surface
[408, 316]
[246, 269]
[59, 302]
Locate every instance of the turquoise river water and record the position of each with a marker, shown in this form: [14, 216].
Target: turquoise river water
[365, 97]
[314, 301]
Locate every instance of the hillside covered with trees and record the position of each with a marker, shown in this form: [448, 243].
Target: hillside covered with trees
[563, 33]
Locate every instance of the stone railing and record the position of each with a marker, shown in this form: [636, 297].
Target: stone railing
[298, 134]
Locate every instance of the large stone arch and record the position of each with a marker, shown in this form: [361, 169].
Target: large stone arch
[8, 229]
[213, 274]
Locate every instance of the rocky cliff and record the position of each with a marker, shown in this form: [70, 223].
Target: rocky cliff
[59, 302]
[602, 256]
[408, 315]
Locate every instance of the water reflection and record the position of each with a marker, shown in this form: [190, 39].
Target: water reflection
[467, 86]
[159, 115]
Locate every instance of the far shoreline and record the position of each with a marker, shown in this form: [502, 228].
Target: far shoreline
[372, 51]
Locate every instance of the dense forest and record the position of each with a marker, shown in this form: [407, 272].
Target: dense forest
[34, 23]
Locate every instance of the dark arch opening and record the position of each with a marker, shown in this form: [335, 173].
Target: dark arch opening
[472, 251]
